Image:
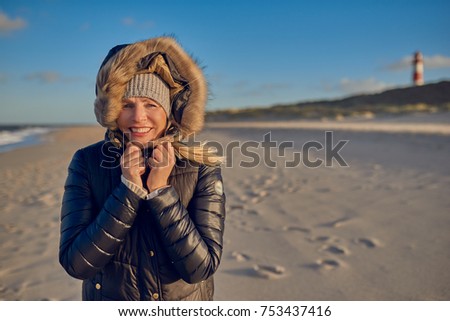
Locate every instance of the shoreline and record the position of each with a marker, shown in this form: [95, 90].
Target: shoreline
[430, 124]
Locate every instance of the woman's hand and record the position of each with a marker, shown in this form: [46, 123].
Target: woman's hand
[132, 164]
[161, 164]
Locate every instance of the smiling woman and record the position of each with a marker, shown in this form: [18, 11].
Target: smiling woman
[150, 227]
[142, 119]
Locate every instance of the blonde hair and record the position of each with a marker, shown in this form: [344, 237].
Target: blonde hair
[197, 152]
[201, 154]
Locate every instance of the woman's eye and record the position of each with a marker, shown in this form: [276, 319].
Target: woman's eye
[128, 106]
[150, 105]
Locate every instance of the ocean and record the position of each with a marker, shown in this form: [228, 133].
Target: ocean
[15, 136]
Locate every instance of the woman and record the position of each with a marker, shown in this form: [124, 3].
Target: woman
[143, 212]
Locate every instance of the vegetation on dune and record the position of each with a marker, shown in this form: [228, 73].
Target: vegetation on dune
[428, 98]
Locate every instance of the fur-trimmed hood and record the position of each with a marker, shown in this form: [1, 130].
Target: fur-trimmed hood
[189, 92]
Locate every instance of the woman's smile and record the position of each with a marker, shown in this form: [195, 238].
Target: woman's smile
[142, 119]
[140, 130]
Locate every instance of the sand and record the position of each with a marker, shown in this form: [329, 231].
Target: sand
[377, 229]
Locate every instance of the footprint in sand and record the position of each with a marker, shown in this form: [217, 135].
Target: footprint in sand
[236, 207]
[252, 212]
[263, 193]
[240, 257]
[258, 194]
[256, 200]
[326, 264]
[264, 229]
[242, 226]
[336, 223]
[269, 271]
[335, 249]
[323, 190]
[321, 238]
[269, 181]
[296, 229]
[367, 242]
[11, 228]
[286, 186]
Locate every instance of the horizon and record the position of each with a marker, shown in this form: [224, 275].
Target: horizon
[333, 99]
[255, 54]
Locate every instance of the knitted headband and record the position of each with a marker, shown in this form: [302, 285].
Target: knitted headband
[150, 86]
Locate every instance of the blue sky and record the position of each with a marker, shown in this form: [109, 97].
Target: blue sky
[255, 53]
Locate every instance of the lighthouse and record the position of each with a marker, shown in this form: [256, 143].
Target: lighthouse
[418, 69]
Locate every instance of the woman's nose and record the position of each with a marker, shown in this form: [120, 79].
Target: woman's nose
[139, 113]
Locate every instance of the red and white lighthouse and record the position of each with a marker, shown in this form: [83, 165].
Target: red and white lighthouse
[418, 69]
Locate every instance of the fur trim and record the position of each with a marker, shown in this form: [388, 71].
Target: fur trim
[115, 73]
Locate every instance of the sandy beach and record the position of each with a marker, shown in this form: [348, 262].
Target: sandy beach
[377, 229]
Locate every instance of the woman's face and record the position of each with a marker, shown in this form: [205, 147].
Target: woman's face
[142, 119]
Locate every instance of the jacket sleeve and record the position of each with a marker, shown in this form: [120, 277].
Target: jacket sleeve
[193, 237]
[90, 237]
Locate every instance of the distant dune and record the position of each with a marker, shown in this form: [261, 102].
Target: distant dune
[427, 98]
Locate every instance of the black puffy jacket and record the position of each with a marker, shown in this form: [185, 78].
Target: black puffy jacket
[127, 248]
